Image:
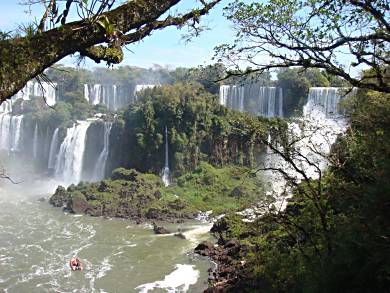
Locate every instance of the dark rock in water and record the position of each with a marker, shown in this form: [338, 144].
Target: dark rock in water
[179, 235]
[59, 198]
[205, 248]
[225, 277]
[41, 199]
[78, 203]
[160, 229]
[66, 210]
[139, 221]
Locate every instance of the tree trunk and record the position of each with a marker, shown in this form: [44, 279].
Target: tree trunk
[22, 59]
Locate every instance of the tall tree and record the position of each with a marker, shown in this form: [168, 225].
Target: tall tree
[339, 36]
[103, 28]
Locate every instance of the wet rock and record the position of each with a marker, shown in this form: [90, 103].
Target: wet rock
[41, 199]
[59, 198]
[78, 203]
[159, 229]
[205, 248]
[179, 235]
[139, 221]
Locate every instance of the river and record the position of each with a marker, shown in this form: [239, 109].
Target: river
[37, 241]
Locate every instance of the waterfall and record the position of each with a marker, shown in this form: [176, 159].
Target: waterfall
[100, 167]
[10, 132]
[165, 171]
[36, 89]
[16, 127]
[53, 150]
[253, 98]
[86, 92]
[5, 131]
[32, 89]
[313, 140]
[106, 95]
[323, 101]
[69, 163]
[96, 92]
[35, 141]
[6, 106]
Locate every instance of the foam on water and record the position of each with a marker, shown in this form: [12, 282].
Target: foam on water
[105, 267]
[178, 281]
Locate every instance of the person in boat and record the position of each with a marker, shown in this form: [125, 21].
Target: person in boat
[76, 264]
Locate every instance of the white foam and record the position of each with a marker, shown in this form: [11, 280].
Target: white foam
[194, 235]
[178, 281]
[104, 268]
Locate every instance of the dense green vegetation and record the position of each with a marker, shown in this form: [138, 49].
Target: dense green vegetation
[336, 241]
[136, 195]
[199, 129]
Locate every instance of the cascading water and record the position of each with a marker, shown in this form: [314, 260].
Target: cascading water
[165, 171]
[323, 101]
[30, 90]
[253, 98]
[35, 89]
[110, 95]
[53, 150]
[314, 135]
[35, 141]
[10, 132]
[6, 106]
[86, 92]
[69, 163]
[100, 167]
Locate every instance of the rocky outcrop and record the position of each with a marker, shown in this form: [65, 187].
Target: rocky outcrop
[59, 198]
[230, 262]
[128, 194]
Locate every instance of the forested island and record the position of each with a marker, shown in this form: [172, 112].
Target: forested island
[285, 161]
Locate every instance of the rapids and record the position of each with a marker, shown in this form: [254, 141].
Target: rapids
[37, 241]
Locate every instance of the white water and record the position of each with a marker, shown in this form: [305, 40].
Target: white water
[178, 281]
[253, 98]
[10, 132]
[314, 134]
[100, 167]
[165, 173]
[53, 150]
[324, 101]
[35, 89]
[69, 162]
[35, 141]
[6, 106]
[106, 95]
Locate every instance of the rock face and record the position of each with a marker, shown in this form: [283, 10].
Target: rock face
[228, 257]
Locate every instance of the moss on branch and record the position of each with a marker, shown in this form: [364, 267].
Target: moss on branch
[110, 54]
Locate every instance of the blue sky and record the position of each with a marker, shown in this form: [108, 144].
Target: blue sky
[164, 47]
